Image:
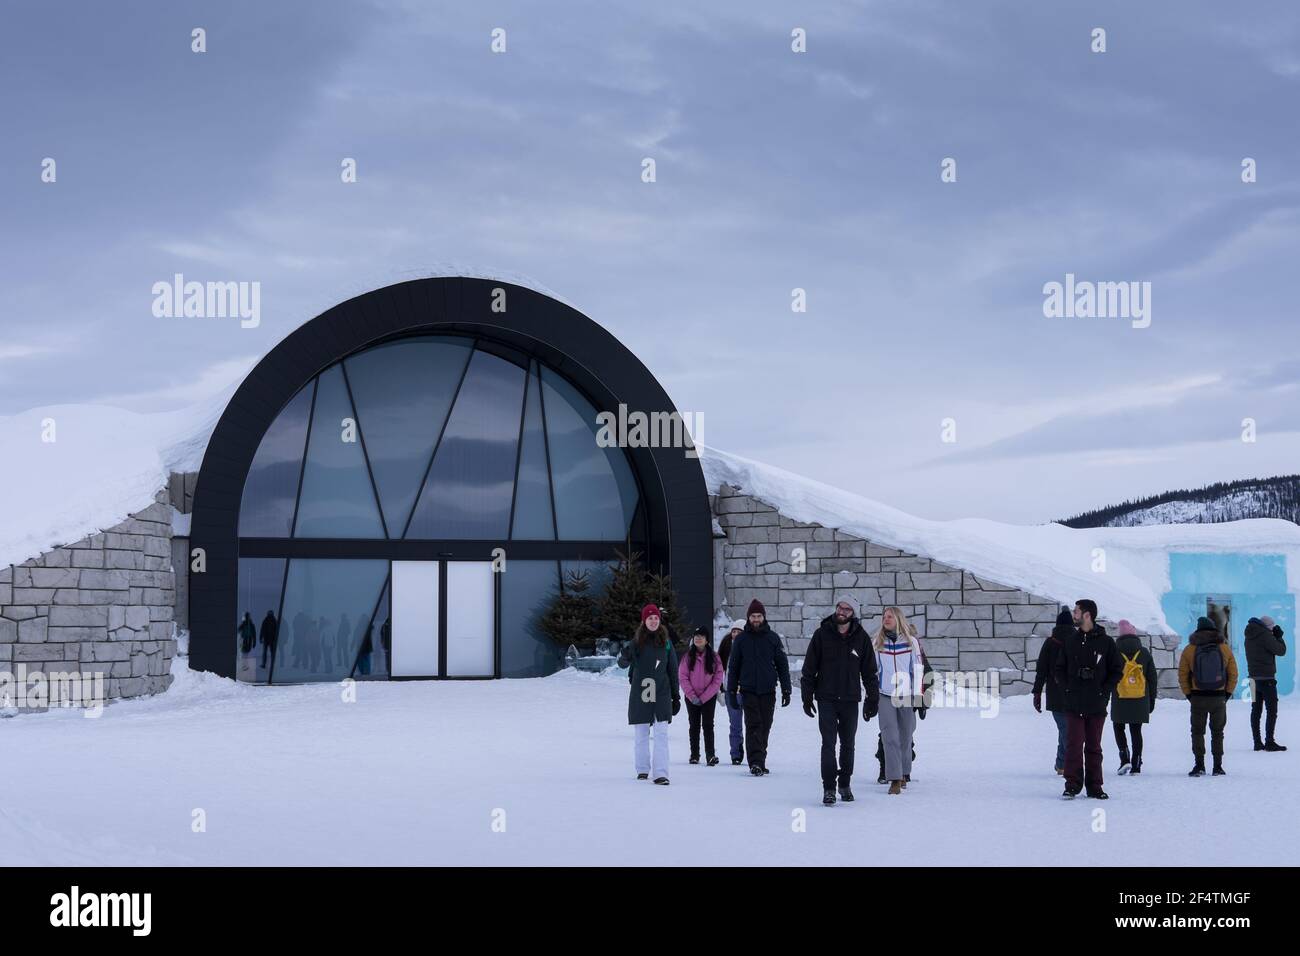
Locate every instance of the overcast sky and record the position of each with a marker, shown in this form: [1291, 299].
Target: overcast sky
[776, 170]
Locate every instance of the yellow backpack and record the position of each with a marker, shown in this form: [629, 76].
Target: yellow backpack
[1133, 682]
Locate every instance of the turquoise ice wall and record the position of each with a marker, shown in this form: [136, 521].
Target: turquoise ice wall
[1254, 583]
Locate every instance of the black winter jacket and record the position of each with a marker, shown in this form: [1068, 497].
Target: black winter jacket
[1047, 659]
[758, 662]
[1264, 645]
[1096, 651]
[836, 667]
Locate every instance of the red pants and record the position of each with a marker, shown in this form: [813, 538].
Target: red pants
[1083, 743]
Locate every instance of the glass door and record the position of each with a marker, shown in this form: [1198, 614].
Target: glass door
[416, 634]
[471, 619]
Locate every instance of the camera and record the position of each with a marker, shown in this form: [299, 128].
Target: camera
[1086, 673]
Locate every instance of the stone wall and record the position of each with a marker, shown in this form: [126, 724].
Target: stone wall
[103, 604]
[968, 623]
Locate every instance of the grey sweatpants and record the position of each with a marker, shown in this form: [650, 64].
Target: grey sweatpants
[897, 724]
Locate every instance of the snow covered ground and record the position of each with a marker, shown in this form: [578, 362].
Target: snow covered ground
[413, 772]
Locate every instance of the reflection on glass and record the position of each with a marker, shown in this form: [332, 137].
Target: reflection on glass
[527, 587]
[403, 391]
[595, 493]
[323, 601]
[260, 581]
[272, 483]
[472, 479]
[337, 498]
[532, 520]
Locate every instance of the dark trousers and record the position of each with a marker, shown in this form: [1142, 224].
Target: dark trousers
[1083, 749]
[1265, 695]
[1135, 731]
[759, 709]
[837, 721]
[1215, 710]
[702, 714]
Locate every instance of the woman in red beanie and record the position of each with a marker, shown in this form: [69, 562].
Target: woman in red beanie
[654, 696]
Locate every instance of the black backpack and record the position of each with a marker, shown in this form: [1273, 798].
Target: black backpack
[1208, 671]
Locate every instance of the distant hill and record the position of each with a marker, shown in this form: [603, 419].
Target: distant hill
[1222, 501]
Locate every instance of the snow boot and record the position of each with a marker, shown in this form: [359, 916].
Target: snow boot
[1274, 747]
[765, 770]
[1124, 763]
[737, 761]
[828, 798]
[881, 778]
[712, 761]
[756, 771]
[662, 781]
[1259, 744]
[1070, 793]
[1137, 764]
[695, 758]
[1098, 794]
[846, 794]
[1198, 770]
[895, 787]
[643, 776]
[1218, 768]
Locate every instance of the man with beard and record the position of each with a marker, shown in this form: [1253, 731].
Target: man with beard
[837, 667]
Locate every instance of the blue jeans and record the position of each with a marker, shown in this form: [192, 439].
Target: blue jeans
[736, 726]
[1061, 729]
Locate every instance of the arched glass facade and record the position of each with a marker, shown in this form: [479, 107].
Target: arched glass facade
[430, 450]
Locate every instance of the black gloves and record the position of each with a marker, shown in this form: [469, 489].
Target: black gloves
[1038, 702]
[869, 709]
[920, 712]
[1277, 631]
[810, 708]
[677, 704]
[733, 701]
[785, 700]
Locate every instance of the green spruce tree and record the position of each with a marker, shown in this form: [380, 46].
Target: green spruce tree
[571, 616]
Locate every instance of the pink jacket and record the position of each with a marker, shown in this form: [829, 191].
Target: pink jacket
[697, 682]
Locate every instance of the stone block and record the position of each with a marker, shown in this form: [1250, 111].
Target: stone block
[1018, 629]
[137, 618]
[6, 594]
[973, 612]
[110, 651]
[905, 564]
[37, 652]
[64, 615]
[1039, 613]
[54, 577]
[996, 660]
[878, 551]
[63, 635]
[924, 581]
[33, 595]
[964, 629]
[126, 560]
[33, 631]
[1006, 645]
[18, 612]
[88, 559]
[994, 597]
[951, 597]
[104, 580]
[8, 631]
[916, 597]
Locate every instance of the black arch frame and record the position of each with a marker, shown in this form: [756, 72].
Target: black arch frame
[674, 498]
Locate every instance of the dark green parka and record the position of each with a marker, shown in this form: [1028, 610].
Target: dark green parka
[652, 672]
[1134, 710]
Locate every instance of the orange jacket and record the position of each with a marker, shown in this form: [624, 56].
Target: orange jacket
[1185, 680]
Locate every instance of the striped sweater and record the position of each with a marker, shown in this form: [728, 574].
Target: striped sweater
[901, 670]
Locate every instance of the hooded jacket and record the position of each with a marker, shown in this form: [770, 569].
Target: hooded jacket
[1264, 645]
[1134, 710]
[696, 681]
[758, 662]
[1087, 668]
[1187, 681]
[1047, 658]
[837, 667]
[652, 672]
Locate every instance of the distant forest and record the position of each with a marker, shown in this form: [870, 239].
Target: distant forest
[1222, 501]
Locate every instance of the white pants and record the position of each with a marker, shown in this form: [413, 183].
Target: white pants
[641, 749]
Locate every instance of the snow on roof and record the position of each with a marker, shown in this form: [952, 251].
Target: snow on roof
[1049, 560]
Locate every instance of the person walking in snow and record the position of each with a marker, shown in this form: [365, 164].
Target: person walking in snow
[758, 663]
[1263, 646]
[837, 667]
[1207, 673]
[247, 634]
[700, 677]
[900, 667]
[1087, 668]
[654, 697]
[1134, 698]
[269, 636]
[735, 715]
[1043, 682]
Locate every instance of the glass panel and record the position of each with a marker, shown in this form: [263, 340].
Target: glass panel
[260, 582]
[471, 483]
[337, 499]
[415, 628]
[533, 488]
[403, 391]
[272, 483]
[595, 493]
[371, 641]
[471, 619]
[322, 602]
[526, 589]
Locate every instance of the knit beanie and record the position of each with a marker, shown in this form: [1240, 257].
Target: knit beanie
[1126, 627]
[648, 610]
[756, 607]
